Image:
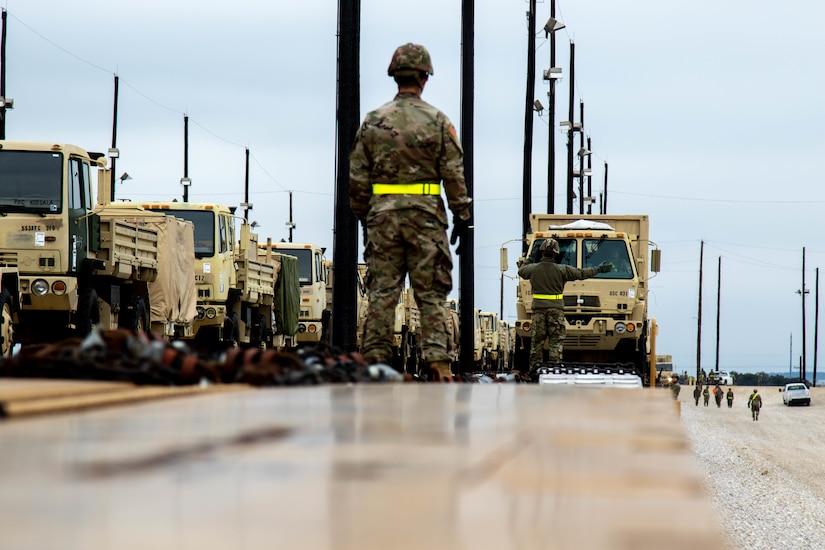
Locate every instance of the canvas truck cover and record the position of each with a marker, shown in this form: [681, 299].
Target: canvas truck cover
[172, 295]
[287, 300]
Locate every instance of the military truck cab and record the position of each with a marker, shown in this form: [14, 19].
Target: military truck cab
[606, 315]
[76, 271]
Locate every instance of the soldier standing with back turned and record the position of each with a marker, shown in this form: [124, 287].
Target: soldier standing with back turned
[402, 153]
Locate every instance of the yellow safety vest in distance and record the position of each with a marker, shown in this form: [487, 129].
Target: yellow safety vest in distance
[417, 188]
[548, 296]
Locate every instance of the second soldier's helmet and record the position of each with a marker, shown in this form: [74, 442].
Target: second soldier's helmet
[410, 58]
[549, 245]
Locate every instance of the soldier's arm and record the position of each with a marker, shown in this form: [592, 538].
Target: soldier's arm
[526, 270]
[451, 168]
[360, 188]
[575, 274]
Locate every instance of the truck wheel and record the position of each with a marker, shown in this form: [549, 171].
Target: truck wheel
[88, 312]
[137, 319]
[6, 325]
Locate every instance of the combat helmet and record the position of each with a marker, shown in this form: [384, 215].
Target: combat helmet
[410, 59]
[549, 244]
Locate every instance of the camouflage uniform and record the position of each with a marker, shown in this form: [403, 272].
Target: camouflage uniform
[697, 391]
[730, 397]
[548, 322]
[411, 143]
[755, 403]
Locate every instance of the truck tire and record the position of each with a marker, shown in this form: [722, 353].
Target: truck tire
[88, 312]
[137, 318]
[6, 325]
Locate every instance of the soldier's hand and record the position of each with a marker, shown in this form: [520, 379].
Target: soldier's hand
[604, 267]
[460, 231]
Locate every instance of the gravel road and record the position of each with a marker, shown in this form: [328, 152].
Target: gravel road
[766, 479]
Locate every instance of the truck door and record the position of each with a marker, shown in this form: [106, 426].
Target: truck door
[79, 189]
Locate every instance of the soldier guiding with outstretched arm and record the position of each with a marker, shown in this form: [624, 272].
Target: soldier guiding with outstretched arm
[547, 280]
[403, 154]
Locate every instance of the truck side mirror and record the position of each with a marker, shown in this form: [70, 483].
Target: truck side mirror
[655, 260]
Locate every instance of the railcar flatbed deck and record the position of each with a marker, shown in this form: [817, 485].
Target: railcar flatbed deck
[397, 466]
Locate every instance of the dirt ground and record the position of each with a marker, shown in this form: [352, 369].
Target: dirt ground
[766, 478]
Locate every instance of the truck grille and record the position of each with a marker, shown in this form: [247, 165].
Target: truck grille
[8, 259]
[587, 301]
[582, 341]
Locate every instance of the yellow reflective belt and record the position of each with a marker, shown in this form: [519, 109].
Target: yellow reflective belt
[418, 188]
[548, 296]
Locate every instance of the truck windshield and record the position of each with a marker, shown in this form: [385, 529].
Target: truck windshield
[596, 251]
[30, 181]
[304, 256]
[204, 222]
[567, 248]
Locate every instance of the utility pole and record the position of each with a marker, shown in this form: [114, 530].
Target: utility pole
[718, 308]
[816, 322]
[113, 152]
[5, 102]
[345, 237]
[699, 317]
[185, 181]
[802, 292]
[572, 114]
[290, 225]
[551, 75]
[466, 277]
[529, 103]
[581, 159]
[604, 207]
[247, 206]
[589, 176]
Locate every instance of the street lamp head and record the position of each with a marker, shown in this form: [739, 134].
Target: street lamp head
[553, 25]
[538, 107]
[584, 151]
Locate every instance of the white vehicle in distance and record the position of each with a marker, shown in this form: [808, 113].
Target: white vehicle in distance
[723, 378]
[796, 393]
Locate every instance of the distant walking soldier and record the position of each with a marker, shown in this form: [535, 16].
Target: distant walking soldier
[730, 397]
[402, 154]
[547, 279]
[718, 395]
[706, 395]
[755, 403]
[675, 388]
[697, 393]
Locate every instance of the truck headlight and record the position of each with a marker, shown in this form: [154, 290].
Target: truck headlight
[631, 327]
[211, 312]
[302, 328]
[201, 312]
[620, 328]
[312, 328]
[40, 287]
[59, 288]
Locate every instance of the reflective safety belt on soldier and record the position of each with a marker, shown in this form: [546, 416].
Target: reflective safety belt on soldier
[415, 188]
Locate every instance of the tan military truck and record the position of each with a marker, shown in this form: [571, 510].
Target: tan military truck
[314, 322]
[491, 351]
[233, 290]
[607, 316]
[75, 269]
[406, 350]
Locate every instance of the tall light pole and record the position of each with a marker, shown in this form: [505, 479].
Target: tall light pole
[551, 75]
[529, 102]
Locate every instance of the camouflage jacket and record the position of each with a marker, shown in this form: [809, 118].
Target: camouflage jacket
[407, 141]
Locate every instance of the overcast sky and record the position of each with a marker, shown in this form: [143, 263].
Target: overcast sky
[710, 115]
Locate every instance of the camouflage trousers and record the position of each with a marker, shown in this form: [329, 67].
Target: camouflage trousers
[547, 324]
[400, 243]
